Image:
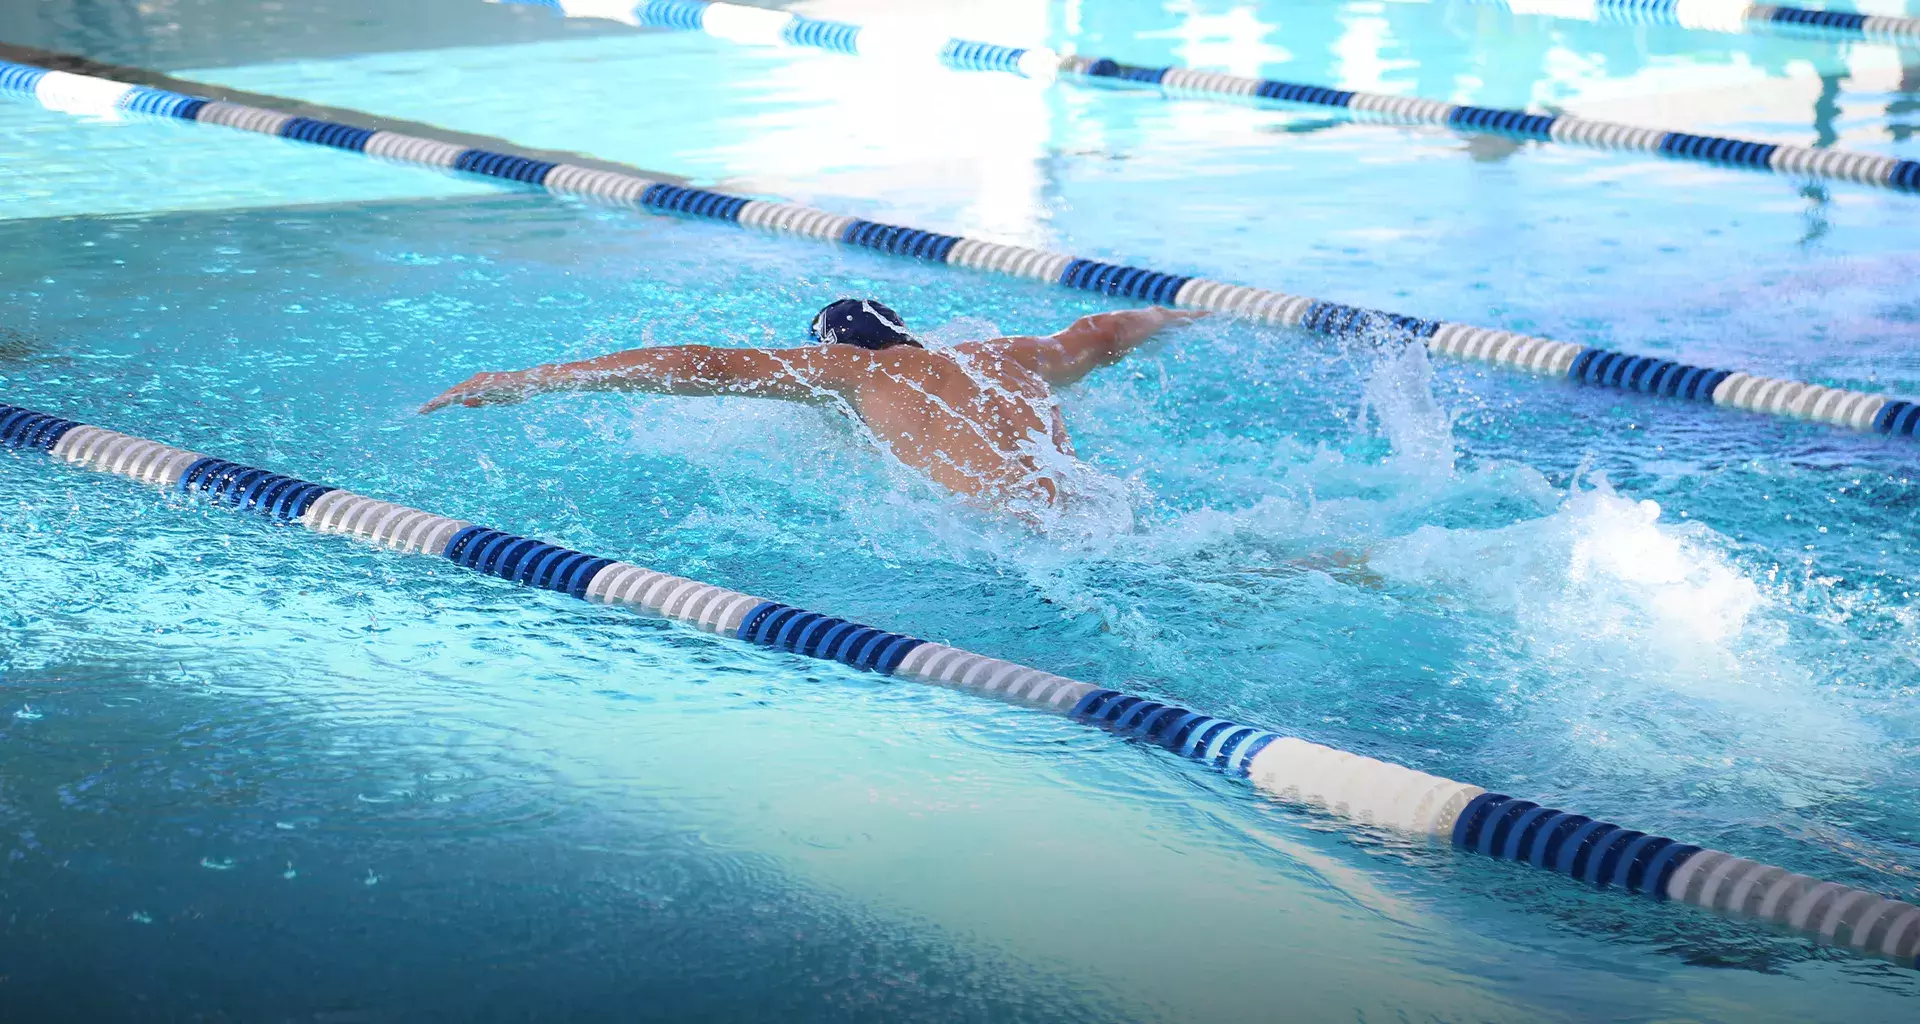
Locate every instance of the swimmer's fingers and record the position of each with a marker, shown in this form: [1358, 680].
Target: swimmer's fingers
[1168, 315]
[444, 399]
[481, 389]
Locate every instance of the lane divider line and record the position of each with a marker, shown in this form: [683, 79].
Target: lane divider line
[53, 60]
[1360, 790]
[1580, 364]
[755, 26]
[1735, 16]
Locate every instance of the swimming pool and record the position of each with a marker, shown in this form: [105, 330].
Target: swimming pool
[255, 773]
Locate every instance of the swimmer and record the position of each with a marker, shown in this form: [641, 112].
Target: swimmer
[968, 416]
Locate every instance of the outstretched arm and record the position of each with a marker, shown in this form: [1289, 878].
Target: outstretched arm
[802, 375]
[1089, 343]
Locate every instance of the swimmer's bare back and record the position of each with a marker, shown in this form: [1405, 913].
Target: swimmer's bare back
[967, 416]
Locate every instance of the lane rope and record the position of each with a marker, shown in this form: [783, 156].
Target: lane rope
[757, 26]
[1735, 16]
[1580, 364]
[1359, 790]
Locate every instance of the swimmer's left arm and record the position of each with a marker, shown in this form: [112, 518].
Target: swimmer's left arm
[800, 375]
[1090, 342]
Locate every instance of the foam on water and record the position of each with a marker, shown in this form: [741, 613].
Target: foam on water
[1638, 642]
[1602, 565]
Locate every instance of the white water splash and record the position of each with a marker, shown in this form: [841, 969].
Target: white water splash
[1602, 565]
[1398, 396]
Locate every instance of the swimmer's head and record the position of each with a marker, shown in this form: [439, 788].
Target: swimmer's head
[861, 322]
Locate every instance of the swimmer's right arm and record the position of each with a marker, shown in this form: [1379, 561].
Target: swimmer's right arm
[801, 375]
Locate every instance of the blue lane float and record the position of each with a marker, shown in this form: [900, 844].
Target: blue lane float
[1357, 790]
[1735, 16]
[760, 26]
[1578, 364]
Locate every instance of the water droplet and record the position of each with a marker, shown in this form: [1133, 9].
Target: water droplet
[140, 917]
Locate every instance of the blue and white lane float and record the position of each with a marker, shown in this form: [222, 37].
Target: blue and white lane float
[760, 26]
[1361, 790]
[1735, 16]
[1581, 364]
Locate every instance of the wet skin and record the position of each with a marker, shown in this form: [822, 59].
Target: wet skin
[969, 417]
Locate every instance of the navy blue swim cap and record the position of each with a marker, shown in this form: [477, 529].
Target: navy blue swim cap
[861, 322]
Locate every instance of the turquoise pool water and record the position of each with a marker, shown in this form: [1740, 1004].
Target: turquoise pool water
[252, 773]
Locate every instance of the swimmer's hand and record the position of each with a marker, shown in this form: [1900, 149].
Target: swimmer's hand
[486, 389]
[1345, 566]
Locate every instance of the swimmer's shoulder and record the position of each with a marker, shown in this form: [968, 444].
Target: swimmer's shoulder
[857, 371]
[1013, 361]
